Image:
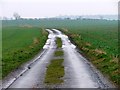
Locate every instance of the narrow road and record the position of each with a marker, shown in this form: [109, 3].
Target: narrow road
[34, 77]
[79, 72]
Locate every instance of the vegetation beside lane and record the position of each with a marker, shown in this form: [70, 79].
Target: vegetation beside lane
[98, 40]
[99, 43]
[20, 44]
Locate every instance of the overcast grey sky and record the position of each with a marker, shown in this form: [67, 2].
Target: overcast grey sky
[50, 8]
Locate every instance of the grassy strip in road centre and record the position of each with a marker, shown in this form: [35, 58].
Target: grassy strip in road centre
[59, 42]
[55, 72]
[59, 53]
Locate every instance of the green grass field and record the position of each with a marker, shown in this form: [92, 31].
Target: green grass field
[19, 45]
[101, 49]
[98, 40]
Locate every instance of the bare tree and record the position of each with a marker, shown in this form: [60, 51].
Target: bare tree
[16, 16]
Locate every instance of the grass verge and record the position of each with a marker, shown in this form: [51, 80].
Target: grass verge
[101, 58]
[20, 44]
[55, 72]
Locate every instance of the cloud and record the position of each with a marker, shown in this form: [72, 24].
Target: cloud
[49, 8]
